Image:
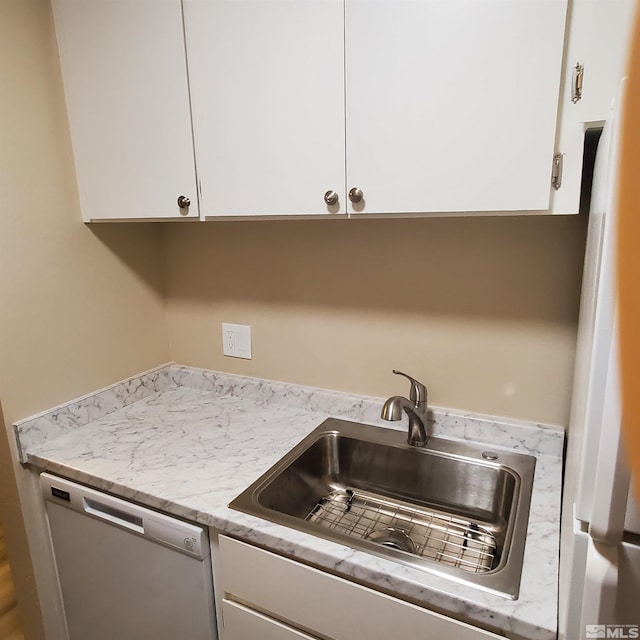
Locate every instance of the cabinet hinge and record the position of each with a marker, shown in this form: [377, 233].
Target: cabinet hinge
[556, 171]
[576, 84]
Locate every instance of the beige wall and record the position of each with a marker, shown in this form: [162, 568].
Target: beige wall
[483, 310]
[80, 307]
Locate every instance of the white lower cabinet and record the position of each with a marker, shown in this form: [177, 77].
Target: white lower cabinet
[268, 597]
[242, 623]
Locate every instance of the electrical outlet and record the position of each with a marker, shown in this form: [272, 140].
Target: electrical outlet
[236, 340]
[228, 341]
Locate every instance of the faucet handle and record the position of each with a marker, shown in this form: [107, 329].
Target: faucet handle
[418, 392]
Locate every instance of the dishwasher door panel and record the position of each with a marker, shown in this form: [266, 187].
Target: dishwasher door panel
[118, 585]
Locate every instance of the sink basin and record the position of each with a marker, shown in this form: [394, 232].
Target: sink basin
[456, 509]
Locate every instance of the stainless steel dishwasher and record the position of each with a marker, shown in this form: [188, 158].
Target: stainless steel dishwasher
[127, 572]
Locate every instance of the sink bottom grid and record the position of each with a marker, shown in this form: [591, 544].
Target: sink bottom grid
[450, 540]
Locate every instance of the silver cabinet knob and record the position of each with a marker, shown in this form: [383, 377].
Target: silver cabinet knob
[331, 198]
[355, 195]
[184, 202]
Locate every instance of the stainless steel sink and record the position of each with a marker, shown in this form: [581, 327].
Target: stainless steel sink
[452, 508]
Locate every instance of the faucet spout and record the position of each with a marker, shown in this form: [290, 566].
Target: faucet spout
[392, 408]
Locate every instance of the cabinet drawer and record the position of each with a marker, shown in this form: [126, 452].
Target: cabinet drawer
[241, 623]
[311, 599]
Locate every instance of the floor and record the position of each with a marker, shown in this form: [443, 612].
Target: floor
[9, 622]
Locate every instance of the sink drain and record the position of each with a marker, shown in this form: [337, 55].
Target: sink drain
[394, 538]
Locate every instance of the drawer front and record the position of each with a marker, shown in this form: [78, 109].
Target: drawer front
[311, 599]
[241, 623]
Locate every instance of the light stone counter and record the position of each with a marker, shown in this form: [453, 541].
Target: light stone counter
[188, 441]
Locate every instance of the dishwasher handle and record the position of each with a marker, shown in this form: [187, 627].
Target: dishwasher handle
[113, 515]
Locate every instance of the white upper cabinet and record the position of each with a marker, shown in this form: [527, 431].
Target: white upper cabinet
[267, 91]
[125, 79]
[410, 106]
[452, 105]
[598, 38]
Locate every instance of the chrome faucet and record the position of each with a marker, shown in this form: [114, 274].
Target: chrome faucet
[415, 408]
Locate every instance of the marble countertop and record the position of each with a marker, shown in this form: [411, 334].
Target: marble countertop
[188, 441]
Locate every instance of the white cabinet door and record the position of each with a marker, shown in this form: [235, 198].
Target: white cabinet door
[267, 89]
[241, 623]
[326, 605]
[598, 38]
[125, 79]
[452, 104]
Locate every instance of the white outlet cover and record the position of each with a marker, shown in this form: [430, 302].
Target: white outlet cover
[236, 340]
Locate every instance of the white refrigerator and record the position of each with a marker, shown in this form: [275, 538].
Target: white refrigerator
[600, 540]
